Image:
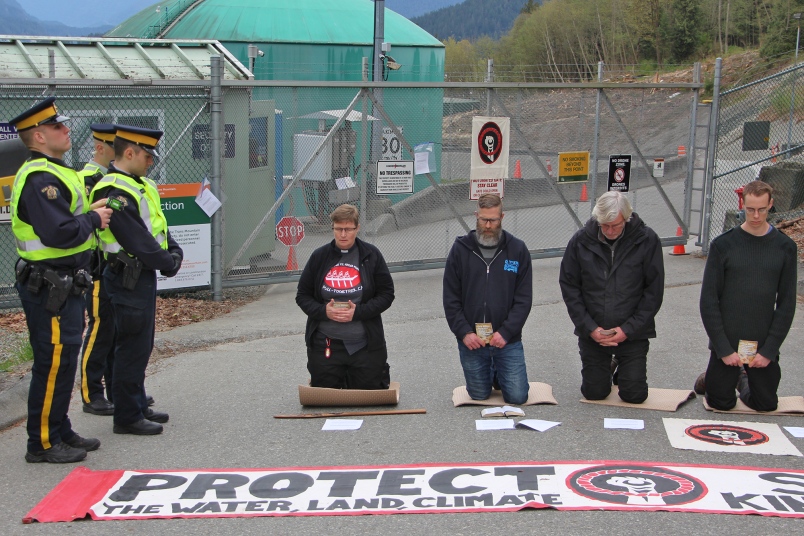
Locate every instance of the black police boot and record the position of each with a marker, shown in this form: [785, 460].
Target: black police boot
[87, 443]
[141, 427]
[58, 453]
[99, 406]
[155, 416]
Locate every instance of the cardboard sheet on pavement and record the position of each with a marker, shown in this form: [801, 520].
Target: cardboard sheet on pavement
[539, 393]
[788, 405]
[323, 396]
[658, 399]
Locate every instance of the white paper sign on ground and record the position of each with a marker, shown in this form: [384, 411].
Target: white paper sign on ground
[342, 424]
[625, 424]
[725, 436]
[795, 431]
[536, 424]
[494, 424]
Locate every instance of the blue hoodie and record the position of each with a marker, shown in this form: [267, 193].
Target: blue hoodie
[499, 290]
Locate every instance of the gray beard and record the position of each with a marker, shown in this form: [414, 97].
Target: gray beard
[489, 242]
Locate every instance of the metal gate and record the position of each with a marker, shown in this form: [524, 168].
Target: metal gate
[327, 138]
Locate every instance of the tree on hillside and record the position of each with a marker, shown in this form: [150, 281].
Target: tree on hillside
[684, 29]
[461, 62]
[781, 29]
[647, 16]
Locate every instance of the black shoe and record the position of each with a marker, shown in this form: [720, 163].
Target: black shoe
[700, 384]
[99, 406]
[141, 427]
[58, 453]
[87, 443]
[155, 416]
[149, 400]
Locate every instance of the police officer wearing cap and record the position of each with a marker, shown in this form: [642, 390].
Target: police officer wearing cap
[97, 357]
[137, 244]
[53, 226]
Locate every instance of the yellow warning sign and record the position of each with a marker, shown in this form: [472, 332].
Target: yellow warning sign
[573, 167]
[5, 184]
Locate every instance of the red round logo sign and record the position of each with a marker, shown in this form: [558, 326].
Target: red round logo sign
[636, 485]
[726, 434]
[489, 142]
[619, 175]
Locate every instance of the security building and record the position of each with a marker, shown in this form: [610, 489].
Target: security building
[313, 40]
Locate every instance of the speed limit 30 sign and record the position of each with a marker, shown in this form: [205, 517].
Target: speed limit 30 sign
[391, 145]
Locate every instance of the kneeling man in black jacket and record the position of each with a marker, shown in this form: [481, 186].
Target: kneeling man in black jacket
[488, 291]
[612, 280]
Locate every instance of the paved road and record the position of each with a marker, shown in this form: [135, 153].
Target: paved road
[222, 400]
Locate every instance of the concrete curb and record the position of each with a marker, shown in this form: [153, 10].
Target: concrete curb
[14, 403]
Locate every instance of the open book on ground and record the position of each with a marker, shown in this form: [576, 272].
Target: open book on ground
[502, 411]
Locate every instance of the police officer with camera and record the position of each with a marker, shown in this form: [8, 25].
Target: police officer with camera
[53, 226]
[136, 244]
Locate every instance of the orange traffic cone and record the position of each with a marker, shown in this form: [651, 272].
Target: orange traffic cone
[679, 248]
[584, 194]
[292, 263]
[518, 170]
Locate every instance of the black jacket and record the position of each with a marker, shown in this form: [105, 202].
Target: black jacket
[500, 291]
[614, 286]
[378, 290]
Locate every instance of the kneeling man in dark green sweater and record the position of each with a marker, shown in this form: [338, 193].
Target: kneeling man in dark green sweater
[748, 299]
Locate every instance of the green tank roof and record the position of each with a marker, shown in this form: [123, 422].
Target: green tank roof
[272, 21]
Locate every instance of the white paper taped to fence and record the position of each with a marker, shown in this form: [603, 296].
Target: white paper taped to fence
[490, 142]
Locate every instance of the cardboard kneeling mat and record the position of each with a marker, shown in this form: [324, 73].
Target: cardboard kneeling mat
[788, 405]
[538, 393]
[324, 396]
[658, 399]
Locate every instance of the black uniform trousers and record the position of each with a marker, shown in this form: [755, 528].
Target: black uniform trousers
[97, 359]
[632, 375]
[134, 314]
[760, 394]
[56, 343]
[365, 369]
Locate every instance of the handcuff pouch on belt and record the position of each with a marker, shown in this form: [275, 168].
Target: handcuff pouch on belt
[130, 266]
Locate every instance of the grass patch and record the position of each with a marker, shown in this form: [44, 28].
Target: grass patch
[17, 355]
[781, 101]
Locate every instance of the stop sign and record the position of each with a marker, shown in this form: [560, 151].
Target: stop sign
[289, 231]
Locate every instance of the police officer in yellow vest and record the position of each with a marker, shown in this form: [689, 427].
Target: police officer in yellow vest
[97, 356]
[103, 141]
[137, 244]
[53, 225]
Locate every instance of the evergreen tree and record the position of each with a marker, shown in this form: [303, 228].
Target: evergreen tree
[684, 31]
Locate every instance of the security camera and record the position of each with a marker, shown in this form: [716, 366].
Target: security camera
[260, 53]
[392, 64]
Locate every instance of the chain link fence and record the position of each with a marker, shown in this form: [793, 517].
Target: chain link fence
[290, 152]
[759, 135]
[324, 141]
